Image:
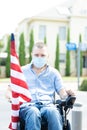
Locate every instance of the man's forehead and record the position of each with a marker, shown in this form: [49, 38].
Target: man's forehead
[42, 51]
[36, 49]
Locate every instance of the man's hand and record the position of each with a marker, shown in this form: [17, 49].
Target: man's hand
[70, 92]
[65, 93]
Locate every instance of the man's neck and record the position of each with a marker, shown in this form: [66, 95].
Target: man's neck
[38, 70]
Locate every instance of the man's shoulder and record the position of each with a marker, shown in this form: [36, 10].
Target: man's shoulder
[53, 70]
[26, 67]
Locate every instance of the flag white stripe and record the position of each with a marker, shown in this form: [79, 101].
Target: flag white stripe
[15, 101]
[14, 60]
[21, 100]
[14, 125]
[20, 90]
[15, 113]
[17, 74]
[18, 100]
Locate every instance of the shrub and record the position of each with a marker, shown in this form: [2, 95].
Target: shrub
[83, 86]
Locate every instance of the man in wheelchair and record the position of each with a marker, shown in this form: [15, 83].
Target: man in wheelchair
[43, 81]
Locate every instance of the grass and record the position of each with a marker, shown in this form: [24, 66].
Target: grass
[4, 79]
[72, 79]
[69, 78]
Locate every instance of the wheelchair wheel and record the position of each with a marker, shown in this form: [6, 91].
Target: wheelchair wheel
[67, 127]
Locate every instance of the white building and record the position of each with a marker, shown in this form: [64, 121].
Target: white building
[73, 15]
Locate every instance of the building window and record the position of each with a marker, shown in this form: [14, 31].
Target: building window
[42, 32]
[84, 61]
[3, 62]
[62, 33]
[62, 58]
[85, 33]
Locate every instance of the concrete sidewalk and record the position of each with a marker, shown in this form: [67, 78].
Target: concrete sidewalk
[5, 110]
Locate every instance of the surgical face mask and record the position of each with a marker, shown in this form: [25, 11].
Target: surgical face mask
[39, 62]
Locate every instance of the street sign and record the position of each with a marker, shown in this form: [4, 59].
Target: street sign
[71, 46]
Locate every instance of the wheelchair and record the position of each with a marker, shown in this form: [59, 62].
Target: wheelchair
[64, 108]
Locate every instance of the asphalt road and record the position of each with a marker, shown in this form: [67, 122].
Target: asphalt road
[5, 110]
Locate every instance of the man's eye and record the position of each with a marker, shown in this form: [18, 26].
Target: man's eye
[42, 55]
[36, 55]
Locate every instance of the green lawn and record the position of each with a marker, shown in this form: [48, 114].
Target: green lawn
[64, 79]
[4, 79]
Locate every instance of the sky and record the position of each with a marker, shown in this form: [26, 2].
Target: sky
[14, 11]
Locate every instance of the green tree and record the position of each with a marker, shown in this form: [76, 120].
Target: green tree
[1, 45]
[45, 40]
[31, 44]
[8, 58]
[22, 50]
[57, 53]
[67, 70]
[81, 60]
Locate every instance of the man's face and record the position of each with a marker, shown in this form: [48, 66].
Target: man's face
[39, 57]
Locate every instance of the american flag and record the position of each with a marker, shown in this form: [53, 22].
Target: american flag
[19, 87]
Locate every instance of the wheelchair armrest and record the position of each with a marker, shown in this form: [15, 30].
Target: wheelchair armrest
[69, 102]
[60, 102]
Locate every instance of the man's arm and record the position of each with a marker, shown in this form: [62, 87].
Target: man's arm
[64, 93]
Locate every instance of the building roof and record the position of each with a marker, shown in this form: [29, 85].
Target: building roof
[79, 7]
[62, 12]
[65, 10]
[55, 12]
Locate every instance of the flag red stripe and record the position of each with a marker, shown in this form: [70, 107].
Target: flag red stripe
[15, 106]
[13, 51]
[13, 54]
[15, 119]
[15, 94]
[15, 67]
[19, 82]
[25, 97]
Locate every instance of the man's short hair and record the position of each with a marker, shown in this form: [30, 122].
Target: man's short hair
[39, 45]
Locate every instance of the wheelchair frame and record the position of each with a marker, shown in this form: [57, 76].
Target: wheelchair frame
[65, 107]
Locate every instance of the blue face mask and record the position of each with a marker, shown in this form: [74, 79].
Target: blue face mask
[39, 62]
